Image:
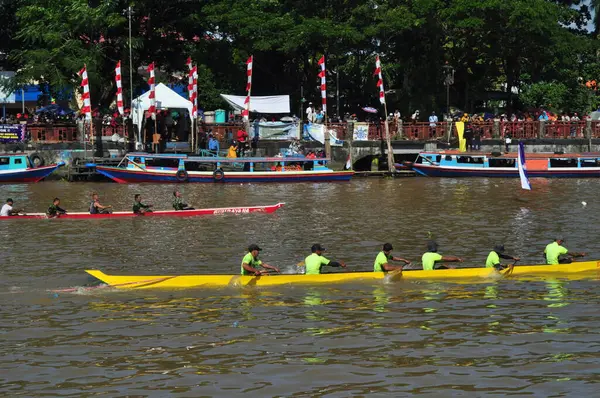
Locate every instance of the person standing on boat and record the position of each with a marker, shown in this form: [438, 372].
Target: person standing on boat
[382, 261]
[232, 152]
[493, 259]
[315, 261]
[556, 253]
[178, 202]
[139, 207]
[97, 208]
[213, 145]
[55, 210]
[250, 262]
[431, 257]
[7, 209]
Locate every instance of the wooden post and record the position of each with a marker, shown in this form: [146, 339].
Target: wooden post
[326, 138]
[388, 139]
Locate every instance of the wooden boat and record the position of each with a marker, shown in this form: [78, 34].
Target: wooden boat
[159, 213]
[20, 168]
[546, 165]
[587, 269]
[145, 167]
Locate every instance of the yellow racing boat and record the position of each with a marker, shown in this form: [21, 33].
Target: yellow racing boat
[579, 270]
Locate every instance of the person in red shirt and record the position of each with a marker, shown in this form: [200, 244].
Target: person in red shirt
[242, 139]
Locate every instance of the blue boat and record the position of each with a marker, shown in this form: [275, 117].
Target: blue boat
[20, 168]
[146, 167]
[545, 165]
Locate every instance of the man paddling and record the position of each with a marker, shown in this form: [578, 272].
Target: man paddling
[431, 257]
[558, 254]
[382, 261]
[493, 259]
[250, 262]
[97, 208]
[315, 261]
[139, 207]
[7, 209]
[55, 210]
[178, 202]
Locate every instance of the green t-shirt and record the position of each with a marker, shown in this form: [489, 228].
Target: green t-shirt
[52, 210]
[137, 206]
[251, 261]
[429, 260]
[381, 259]
[313, 264]
[553, 251]
[492, 260]
[177, 203]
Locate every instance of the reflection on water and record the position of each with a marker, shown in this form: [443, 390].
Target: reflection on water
[504, 337]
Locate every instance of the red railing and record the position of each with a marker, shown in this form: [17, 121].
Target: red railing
[70, 133]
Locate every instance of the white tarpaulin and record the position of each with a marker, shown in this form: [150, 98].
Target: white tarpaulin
[316, 132]
[165, 99]
[267, 104]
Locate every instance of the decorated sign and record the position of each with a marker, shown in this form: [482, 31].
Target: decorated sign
[12, 133]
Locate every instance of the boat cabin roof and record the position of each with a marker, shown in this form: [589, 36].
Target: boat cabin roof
[514, 155]
[214, 159]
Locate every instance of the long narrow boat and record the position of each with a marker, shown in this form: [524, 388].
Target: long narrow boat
[587, 269]
[159, 213]
[545, 165]
[146, 167]
[20, 168]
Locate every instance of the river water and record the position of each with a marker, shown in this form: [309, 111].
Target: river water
[495, 338]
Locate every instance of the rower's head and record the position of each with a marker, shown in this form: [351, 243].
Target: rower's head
[560, 240]
[387, 248]
[94, 196]
[9, 201]
[317, 248]
[499, 249]
[432, 246]
[137, 197]
[254, 249]
[176, 193]
[56, 201]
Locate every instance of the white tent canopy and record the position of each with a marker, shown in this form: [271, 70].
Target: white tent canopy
[266, 104]
[165, 98]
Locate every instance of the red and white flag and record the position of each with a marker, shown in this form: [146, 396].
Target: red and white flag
[380, 80]
[193, 87]
[152, 96]
[246, 111]
[87, 107]
[119, 88]
[323, 77]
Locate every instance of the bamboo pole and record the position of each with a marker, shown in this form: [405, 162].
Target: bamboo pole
[388, 139]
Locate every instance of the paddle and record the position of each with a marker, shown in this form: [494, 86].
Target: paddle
[508, 272]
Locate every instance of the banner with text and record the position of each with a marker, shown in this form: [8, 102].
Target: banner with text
[12, 133]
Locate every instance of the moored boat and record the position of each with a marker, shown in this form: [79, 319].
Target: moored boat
[579, 270]
[145, 167]
[158, 213]
[473, 164]
[15, 168]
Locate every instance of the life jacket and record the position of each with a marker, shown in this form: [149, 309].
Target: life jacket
[93, 209]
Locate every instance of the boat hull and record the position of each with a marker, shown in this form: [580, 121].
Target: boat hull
[27, 175]
[159, 213]
[124, 176]
[581, 270]
[448, 171]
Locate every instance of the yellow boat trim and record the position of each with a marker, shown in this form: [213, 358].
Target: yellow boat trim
[579, 270]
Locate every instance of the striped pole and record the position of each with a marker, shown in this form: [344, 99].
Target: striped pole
[388, 138]
[246, 111]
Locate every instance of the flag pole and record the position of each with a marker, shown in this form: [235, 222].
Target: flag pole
[388, 138]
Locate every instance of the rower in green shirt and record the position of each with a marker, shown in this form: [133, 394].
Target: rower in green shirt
[382, 261]
[315, 261]
[250, 262]
[178, 202]
[431, 257]
[55, 210]
[558, 254]
[493, 259]
[139, 207]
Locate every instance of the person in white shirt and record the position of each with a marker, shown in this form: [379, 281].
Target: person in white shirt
[7, 209]
[433, 119]
[415, 116]
[309, 113]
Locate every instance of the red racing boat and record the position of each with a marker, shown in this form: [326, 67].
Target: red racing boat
[159, 213]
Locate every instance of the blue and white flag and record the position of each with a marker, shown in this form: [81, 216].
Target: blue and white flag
[523, 168]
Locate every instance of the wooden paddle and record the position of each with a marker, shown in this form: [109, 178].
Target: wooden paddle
[508, 272]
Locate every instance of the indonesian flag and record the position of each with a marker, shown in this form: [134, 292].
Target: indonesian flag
[119, 88]
[87, 107]
[322, 75]
[380, 81]
[246, 111]
[193, 87]
[152, 96]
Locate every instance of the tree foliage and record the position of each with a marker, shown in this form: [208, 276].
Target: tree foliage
[537, 46]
